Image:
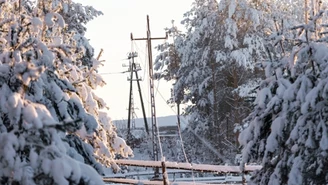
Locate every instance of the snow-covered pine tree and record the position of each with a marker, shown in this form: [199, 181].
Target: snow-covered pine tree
[168, 60]
[38, 55]
[166, 65]
[242, 24]
[105, 141]
[33, 150]
[96, 140]
[195, 75]
[287, 130]
[279, 16]
[76, 17]
[221, 43]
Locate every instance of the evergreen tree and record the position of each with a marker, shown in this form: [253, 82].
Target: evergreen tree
[215, 57]
[287, 130]
[168, 60]
[76, 17]
[45, 123]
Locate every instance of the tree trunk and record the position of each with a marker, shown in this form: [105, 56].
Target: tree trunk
[306, 11]
[214, 127]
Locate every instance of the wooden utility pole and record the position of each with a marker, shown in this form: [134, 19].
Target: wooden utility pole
[130, 101]
[152, 93]
[133, 69]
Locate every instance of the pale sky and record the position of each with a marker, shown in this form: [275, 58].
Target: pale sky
[111, 32]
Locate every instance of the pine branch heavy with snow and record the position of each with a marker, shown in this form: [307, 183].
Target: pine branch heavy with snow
[287, 130]
[52, 129]
[215, 56]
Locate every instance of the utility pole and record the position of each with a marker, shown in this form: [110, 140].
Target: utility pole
[134, 68]
[133, 112]
[152, 94]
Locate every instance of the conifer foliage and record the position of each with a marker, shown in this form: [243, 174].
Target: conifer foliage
[287, 130]
[51, 126]
[209, 63]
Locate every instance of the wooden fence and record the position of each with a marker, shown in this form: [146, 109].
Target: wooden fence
[218, 169]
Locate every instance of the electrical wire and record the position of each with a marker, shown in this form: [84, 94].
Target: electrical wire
[157, 91]
[207, 144]
[112, 73]
[144, 63]
[157, 85]
[138, 50]
[156, 121]
[179, 130]
[182, 144]
[180, 137]
[159, 141]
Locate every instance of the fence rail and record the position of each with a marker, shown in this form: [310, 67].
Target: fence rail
[190, 166]
[149, 182]
[219, 169]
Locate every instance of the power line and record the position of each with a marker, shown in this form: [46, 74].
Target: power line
[157, 91]
[134, 68]
[113, 73]
[155, 130]
[207, 144]
[179, 132]
[179, 129]
[142, 60]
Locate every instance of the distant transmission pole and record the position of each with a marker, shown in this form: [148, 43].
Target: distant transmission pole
[133, 68]
[133, 112]
[152, 96]
[132, 109]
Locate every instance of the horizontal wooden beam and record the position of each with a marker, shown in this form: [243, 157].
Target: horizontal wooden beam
[189, 166]
[150, 182]
[152, 38]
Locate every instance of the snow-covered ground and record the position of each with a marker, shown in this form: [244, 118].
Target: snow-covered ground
[139, 169]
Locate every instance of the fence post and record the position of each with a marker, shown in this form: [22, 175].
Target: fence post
[243, 175]
[165, 175]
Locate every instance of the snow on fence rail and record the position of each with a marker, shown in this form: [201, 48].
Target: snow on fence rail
[181, 166]
[149, 182]
[190, 166]
[145, 173]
